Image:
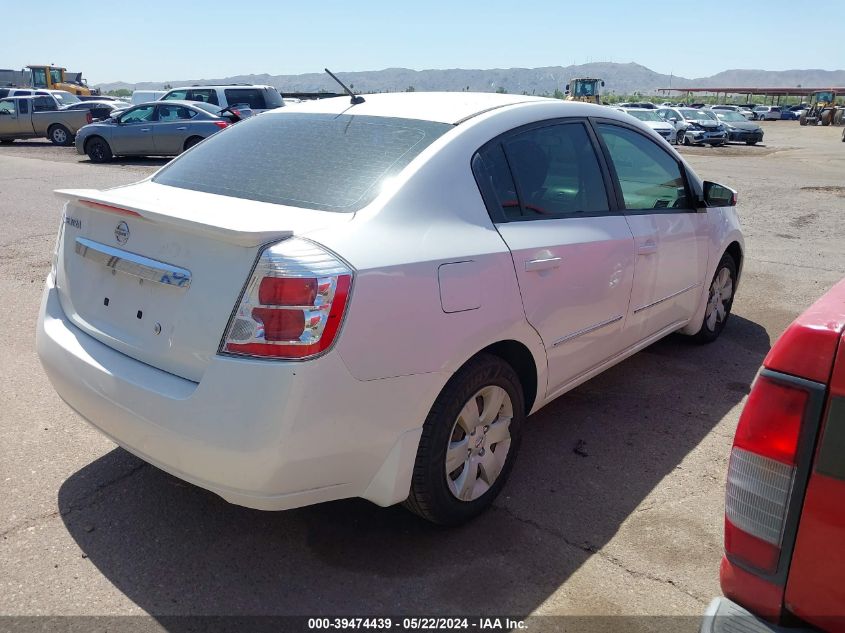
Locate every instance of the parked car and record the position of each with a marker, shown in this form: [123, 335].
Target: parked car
[641, 105]
[100, 110]
[695, 126]
[652, 120]
[146, 96]
[150, 129]
[21, 118]
[739, 128]
[784, 559]
[787, 114]
[258, 98]
[767, 113]
[336, 300]
[743, 110]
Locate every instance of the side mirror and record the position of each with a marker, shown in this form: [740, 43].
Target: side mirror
[716, 195]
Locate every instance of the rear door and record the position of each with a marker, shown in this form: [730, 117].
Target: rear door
[23, 123]
[573, 252]
[815, 589]
[670, 235]
[172, 127]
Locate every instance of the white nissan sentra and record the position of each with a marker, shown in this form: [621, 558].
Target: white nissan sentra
[334, 300]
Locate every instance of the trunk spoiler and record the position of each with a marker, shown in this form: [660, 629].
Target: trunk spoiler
[224, 230]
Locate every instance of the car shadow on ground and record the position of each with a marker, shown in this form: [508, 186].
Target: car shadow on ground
[587, 462]
[134, 161]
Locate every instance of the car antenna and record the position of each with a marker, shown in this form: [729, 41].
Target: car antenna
[355, 99]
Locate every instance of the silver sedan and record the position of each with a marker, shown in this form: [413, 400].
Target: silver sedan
[160, 128]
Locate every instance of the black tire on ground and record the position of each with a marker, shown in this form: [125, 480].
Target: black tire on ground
[710, 331]
[60, 135]
[98, 150]
[685, 139]
[827, 117]
[430, 495]
[843, 136]
[751, 142]
[837, 117]
[6, 141]
[191, 142]
[802, 120]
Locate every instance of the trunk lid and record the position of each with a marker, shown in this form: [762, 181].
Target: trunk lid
[155, 271]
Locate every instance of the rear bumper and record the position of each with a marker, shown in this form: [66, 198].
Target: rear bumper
[260, 434]
[725, 616]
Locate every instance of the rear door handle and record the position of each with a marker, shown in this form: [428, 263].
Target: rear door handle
[542, 264]
[647, 248]
[145, 129]
[181, 129]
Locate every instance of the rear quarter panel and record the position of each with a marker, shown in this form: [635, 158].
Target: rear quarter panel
[73, 120]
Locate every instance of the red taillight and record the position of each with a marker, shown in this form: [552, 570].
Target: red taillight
[293, 305]
[771, 420]
[221, 124]
[281, 291]
[88, 117]
[761, 472]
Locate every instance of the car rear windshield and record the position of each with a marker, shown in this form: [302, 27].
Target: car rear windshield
[315, 161]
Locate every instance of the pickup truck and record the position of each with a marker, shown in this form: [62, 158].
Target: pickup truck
[38, 116]
[784, 563]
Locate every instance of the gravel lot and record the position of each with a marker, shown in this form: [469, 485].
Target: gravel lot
[633, 527]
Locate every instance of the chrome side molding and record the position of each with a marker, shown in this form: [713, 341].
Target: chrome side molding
[135, 265]
[587, 330]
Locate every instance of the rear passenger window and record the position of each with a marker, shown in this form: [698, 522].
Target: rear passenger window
[650, 178]
[205, 95]
[43, 104]
[546, 172]
[23, 106]
[250, 96]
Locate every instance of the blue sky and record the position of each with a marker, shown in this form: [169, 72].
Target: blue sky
[157, 41]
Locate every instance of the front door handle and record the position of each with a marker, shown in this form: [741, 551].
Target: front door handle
[181, 129]
[647, 248]
[145, 129]
[546, 263]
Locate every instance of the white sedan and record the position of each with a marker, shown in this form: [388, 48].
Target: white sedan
[374, 298]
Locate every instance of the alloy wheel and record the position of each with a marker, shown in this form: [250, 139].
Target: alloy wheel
[479, 443]
[721, 293]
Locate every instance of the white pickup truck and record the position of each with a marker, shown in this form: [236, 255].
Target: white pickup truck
[37, 116]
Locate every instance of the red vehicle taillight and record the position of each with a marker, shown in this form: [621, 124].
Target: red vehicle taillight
[292, 306]
[762, 471]
[89, 118]
[221, 124]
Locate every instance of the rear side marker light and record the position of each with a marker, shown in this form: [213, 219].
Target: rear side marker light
[293, 304]
[762, 471]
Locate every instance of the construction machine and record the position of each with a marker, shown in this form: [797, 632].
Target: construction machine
[586, 89]
[56, 78]
[822, 109]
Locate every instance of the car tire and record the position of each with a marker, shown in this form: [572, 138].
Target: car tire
[827, 117]
[98, 150]
[191, 142]
[719, 300]
[60, 135]
[6, 141]
[686, 140]
[802, 120]
[479, 413]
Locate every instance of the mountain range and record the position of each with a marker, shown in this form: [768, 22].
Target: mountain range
[619, 79]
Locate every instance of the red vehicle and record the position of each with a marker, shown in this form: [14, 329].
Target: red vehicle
[784, 563]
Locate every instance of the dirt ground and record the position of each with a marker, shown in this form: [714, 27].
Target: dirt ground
[629, 525]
